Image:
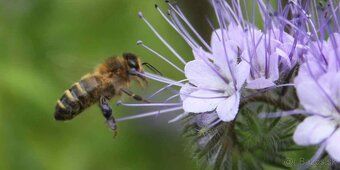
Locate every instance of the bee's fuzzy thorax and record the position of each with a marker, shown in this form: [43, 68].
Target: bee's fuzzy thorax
[114, 65]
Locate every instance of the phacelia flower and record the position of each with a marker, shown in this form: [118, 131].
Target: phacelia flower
[318, 89]
[318, 79]
[215, 82]
[256, 57]
[267, 52]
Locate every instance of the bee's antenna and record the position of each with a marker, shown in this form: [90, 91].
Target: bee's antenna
[151, 67]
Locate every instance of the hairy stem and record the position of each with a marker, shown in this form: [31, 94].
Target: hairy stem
[266, 99]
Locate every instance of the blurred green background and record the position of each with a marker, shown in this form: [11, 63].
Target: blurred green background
[46, 46]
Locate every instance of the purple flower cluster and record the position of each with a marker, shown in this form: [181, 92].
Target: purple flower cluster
[317, 83]
[243, 59]
[318, 89]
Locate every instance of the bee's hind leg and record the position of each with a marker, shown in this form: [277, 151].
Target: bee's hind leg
[107, 113]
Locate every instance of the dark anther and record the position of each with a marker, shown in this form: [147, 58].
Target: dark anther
[151, 67]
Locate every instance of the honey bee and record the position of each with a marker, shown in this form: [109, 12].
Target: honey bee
[109, 79]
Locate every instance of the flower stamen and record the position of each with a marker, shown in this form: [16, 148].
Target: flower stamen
[153, 113]
[159, 55]
[140, 14]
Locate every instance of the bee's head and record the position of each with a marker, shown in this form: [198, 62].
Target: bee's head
[135, 66]
[133, 62]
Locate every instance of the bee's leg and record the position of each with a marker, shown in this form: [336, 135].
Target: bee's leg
[134, 96]
[107, 113]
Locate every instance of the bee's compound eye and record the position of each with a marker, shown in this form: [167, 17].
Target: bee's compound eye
[132, 63]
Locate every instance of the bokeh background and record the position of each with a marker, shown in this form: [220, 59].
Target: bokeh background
[47, 45]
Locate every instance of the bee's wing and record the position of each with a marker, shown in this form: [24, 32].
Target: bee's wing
[70, 69]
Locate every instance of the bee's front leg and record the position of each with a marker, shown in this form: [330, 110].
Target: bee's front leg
[107, 113]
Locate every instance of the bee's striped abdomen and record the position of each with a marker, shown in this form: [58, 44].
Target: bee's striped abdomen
[79, 97]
